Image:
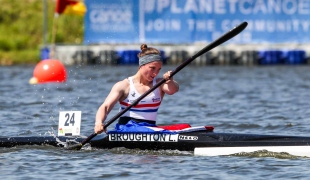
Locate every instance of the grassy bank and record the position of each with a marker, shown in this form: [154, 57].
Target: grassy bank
[21, 30]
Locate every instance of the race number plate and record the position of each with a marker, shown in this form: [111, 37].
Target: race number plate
[69, 123]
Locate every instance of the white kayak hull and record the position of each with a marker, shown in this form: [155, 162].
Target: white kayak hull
[303, 151]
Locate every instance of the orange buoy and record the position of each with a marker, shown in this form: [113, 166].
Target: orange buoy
[49, 70]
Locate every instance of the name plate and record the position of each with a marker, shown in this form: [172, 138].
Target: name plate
[144, 137]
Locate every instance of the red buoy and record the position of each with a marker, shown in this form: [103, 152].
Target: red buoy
[49, 70]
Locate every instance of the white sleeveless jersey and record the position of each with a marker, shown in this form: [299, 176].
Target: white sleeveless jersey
[147, 108]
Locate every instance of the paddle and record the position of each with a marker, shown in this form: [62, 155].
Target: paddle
[230, 34]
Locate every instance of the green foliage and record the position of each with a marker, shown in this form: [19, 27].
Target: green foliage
[28, 56]
[21, 29]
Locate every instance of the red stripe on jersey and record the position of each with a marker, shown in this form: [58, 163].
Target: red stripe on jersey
[141, 105]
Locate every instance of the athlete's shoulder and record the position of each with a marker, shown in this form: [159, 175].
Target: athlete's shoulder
[120, 85]
[124, 82]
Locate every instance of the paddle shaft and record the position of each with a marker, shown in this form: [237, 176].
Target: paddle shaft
[230, 34]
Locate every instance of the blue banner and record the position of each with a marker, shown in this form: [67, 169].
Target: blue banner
[190, 21]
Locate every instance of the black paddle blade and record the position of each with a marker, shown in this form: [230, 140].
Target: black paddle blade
[227, 36]
[75, 147]
[80, 145]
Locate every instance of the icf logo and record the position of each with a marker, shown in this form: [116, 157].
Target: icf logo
[111, 14]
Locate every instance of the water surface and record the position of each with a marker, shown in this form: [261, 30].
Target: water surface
[264, 100]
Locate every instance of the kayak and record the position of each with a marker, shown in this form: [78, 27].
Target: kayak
[202, 140]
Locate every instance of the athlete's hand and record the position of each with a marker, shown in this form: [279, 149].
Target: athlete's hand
[99, 128]
[167, 77]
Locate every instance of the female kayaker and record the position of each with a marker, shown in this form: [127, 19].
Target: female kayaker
[128, 90]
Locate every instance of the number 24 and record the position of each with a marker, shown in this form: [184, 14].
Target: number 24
[70, 120]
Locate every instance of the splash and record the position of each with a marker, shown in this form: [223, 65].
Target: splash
[265, 153]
